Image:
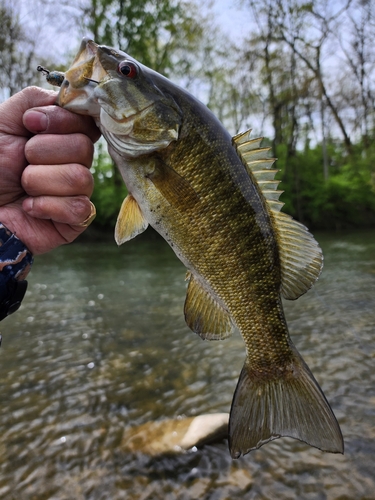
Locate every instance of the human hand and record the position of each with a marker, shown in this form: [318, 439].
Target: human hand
[45, 181]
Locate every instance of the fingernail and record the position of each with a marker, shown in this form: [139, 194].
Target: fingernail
[28, 204]
[35, 121]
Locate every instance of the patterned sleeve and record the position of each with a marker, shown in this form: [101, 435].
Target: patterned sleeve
[15, 263]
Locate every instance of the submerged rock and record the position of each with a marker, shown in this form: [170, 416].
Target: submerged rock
[175, 436]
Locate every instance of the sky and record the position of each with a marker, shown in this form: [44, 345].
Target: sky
[232, 19]
[228, 15]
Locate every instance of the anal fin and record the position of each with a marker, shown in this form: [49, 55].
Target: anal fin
[204, 315]
[130, 221]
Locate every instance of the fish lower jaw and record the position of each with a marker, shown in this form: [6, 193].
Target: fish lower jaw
[78, 102]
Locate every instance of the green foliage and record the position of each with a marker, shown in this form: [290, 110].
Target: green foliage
[345, 200]
[152, 31]
[279, 76]
[110, 190]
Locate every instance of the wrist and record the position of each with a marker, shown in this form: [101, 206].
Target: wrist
[15, 264]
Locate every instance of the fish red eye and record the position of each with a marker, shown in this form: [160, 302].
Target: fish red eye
[128, 69]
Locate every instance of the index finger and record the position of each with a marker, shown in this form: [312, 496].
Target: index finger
[12, 110]
[56, 120]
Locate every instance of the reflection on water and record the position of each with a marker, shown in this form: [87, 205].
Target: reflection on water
[100, 344]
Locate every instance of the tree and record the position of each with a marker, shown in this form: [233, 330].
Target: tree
[359, 55]
[310, 51]
[152, 31]
[17, 51]
[285, 87]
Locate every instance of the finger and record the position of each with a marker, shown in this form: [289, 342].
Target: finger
[57, 180]
[14, 108]
[56, 120]
[58, 149]
[72, 210]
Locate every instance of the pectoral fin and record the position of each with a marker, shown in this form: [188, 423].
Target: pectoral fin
[175, 189]
[204, 315]
[130, 221]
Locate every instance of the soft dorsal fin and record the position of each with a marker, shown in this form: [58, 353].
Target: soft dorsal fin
[203, 314]
[300, 255]
[130, 221]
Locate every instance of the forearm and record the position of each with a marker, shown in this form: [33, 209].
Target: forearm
[15, 263]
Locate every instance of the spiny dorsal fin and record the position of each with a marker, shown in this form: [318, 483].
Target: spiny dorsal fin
[300, 255]
[244, 137]
[130, 221]
[203, 314]
[256, 160]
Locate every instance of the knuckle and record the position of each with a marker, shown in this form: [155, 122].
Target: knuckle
[80, 207]
[81, 149]
[80, 179]
[85, 144]
[30, 92]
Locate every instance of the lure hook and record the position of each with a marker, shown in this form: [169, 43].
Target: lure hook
[91, 80]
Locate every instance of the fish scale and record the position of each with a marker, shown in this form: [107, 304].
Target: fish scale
[215, 201]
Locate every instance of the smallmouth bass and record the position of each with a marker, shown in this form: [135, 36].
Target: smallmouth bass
[214, 200]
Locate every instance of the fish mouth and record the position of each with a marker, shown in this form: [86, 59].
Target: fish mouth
[85, 90]
[88, 87]
[77, 90]
[122, 107]
[89, 45]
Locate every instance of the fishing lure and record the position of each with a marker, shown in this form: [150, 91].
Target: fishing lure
[53, 77]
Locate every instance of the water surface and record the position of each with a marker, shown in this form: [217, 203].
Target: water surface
[100, 344]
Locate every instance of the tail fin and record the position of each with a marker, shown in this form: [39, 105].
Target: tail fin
[293, 405]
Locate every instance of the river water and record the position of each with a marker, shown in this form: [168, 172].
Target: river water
[100, 345]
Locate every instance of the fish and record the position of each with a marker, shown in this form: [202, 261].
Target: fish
[214, 199]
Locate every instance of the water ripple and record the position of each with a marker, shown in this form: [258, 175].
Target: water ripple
[100, 345]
